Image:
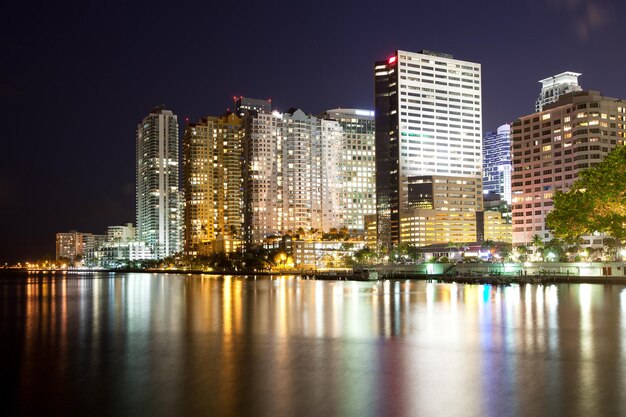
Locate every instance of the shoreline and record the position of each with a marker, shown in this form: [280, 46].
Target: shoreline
[475, 279]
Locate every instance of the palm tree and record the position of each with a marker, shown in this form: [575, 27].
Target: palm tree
[459, 249]
[537, 244]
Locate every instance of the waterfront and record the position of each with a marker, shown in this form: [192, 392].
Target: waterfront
[151, 344]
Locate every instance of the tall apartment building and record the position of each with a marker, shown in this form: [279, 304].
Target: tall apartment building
[261, 162]
[357, 166]
[159, 220]
[328, 168]
[69, 245]
[291, 174]
[497, 162]
[428, 123]
[551, 148]
[555, 86]
[212, 176]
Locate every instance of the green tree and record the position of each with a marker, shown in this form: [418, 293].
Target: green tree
[488, 244]
[596, 202]
[365, 256]
[522, 253]
[612, 247]
[553, 251]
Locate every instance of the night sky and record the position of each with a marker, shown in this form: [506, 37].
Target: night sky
[77, 77]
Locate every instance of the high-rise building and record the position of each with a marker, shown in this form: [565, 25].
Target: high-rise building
[159, 220]
[327, 169]
[69, 245]
[555, 86]
[428, 123]
[357, 166]
[262, 150]
[291, 174]
[551, 148]
[497, 162]
[252, 105]
[212, 176]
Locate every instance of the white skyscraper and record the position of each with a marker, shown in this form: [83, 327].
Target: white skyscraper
[357, 166]
[428, 123]
[159, 217]
[291, 174]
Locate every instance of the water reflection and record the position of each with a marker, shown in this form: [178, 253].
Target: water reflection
[185, 345]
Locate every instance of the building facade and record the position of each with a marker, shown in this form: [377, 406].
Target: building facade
[69, 245]
[291, 174]
[550, 149]
[491, 225]
[428, 122]
[440, 209]
[357, 166]
[159, 220]
[123, 233]
[212, 177]
[118, 248]
[554, 87]
[321, 254]
[262, 160]
[497, 162]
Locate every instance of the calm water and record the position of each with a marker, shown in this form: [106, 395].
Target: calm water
[170, 345]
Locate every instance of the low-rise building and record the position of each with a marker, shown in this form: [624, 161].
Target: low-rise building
[119, 254]
[440, 209]
[323, 253]
[491, 225]
[118, 248]
[370, 230]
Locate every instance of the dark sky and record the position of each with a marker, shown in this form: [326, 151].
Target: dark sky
[76, 78]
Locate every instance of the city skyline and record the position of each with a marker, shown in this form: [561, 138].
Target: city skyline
[80, 174]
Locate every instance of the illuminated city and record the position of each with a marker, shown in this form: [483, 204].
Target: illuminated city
[264, 209]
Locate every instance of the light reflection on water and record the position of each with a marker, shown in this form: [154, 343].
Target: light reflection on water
[150, 344]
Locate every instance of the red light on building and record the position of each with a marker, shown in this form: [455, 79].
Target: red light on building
[392, 60]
